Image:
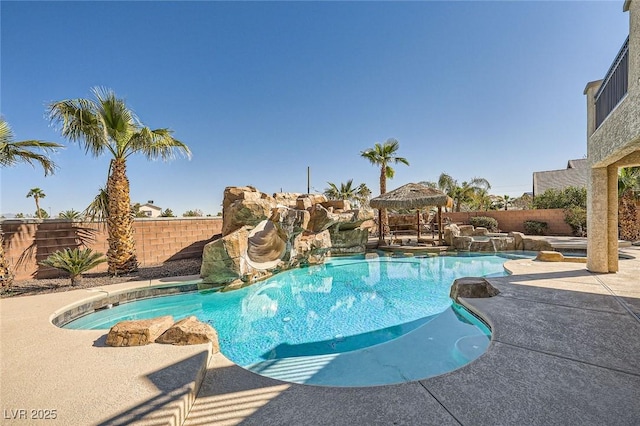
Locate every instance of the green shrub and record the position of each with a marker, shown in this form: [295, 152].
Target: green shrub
[576, 218]
[74, 261]
[485, 222]
[561, 199]
[535, 227]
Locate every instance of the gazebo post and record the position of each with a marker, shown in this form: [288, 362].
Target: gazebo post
[418, 218]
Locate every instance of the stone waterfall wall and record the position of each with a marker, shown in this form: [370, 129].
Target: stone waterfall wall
[264, 234]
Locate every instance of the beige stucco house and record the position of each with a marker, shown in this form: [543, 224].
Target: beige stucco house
[150, 210]
[613, 141]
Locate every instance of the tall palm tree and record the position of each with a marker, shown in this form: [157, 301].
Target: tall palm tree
[37, 193]
[107, 125]
[382, 155]
[13, 152]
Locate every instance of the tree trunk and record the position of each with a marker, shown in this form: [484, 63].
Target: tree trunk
[6, 276]
[121, 255]
[628, 218]
[384, 217]
[35, 197]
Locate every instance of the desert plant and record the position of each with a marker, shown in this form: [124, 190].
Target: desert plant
[535, 227]
[74, 261]
[576, 218]
[485, 222]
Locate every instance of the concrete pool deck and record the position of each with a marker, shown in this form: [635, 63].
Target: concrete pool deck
[565, 350]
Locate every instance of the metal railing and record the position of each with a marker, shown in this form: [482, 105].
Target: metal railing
[614, 86]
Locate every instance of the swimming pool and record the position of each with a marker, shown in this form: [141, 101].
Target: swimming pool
[349, 322]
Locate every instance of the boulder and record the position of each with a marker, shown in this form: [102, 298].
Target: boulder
[190, 331]
[138, 332]
[451, 231]
[246, 212]
[286, 199]
[320, 219]
[222, 259]
[466, 230]
[536, 244]
[462, 243]
[550, 256]
[472, 287]
[479, 231]
[303, 202]
[311, 248]
[518, 238]
[350, 241]
[337, 204]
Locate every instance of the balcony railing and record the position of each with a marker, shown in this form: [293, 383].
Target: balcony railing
[614, 86]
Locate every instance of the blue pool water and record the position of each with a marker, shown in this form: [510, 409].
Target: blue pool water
[349, 322]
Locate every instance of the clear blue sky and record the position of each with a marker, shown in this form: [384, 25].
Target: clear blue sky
[262, 90]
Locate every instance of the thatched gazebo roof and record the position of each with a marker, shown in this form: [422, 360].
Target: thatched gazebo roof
[410, 196]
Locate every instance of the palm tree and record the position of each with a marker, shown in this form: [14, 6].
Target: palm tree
[628, 194]
[461, 193]
[507, 201]
[345, 192]
[70, 214]
[14, 152]
[37, 193]
[107, 125]
[382, 155]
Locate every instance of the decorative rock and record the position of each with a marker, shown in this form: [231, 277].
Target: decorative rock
[535, 244]
[472, 287]
[337, 204]
[320, 219]
[138, 332]
[518, 238]
[479, 231]
[550, 256]
[222, 260]
[286, 199]
[303, 202]
[466, 230]
[190, 331]
[246, 212]
[451, 231]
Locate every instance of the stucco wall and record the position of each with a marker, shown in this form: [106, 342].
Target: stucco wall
[157, 241]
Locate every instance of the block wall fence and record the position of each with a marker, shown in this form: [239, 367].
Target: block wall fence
[513, 220]
[28, 241]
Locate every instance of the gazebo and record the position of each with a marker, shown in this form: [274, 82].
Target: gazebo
[411, 196]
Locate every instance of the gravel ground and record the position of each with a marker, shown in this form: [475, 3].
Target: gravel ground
[174, 268]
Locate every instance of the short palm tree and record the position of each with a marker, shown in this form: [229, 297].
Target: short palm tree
[70, 214]
[107, 125]
[346, 191]
[74, 261]
[382, 155]
[37, 194]
[628, 195]
[14, 152]
[463, 193]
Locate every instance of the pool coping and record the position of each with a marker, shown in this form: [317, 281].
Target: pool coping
[506, 385]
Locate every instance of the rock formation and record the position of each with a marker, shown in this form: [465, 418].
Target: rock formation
[265, 234]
